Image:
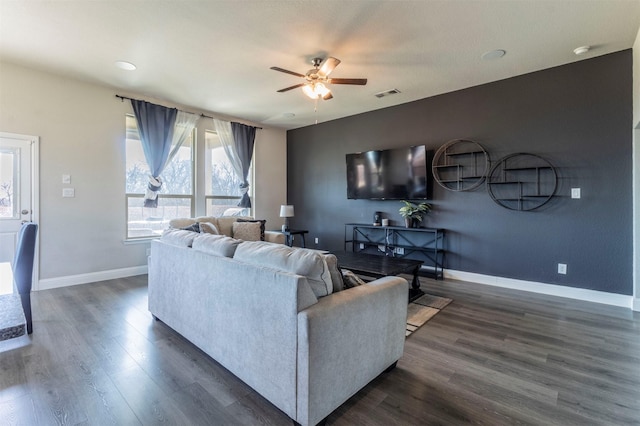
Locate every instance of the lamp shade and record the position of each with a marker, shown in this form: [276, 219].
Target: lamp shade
[286, 211]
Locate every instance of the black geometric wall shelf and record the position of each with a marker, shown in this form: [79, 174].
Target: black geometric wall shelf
[522, 182]
[460, 165]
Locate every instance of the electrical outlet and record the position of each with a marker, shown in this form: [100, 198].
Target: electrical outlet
[316, 240]
[362, 246]
[562, 268]
[399, 250]
[575, 193]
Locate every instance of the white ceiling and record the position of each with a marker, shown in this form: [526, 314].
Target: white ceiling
[215, 55]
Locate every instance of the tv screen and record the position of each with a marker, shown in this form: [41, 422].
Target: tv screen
[392, 174]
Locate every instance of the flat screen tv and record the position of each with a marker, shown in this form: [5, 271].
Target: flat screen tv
[391, 174]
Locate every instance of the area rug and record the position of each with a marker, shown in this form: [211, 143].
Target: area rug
[422, 310]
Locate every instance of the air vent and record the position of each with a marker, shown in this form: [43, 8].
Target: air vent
[387, 93]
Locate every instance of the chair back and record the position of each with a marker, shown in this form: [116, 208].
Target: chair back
[23, 260]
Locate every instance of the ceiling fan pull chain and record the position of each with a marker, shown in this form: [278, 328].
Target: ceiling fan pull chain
[315, 109]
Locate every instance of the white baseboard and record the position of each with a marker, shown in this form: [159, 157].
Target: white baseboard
[614, 299]
[49, 283]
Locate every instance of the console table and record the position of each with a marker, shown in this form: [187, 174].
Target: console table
[426, 244]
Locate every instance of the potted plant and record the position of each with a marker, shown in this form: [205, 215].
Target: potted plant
[413, 213]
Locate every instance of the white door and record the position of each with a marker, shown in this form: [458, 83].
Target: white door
[17, 159]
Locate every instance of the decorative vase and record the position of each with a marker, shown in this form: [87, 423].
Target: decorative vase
[408, 222]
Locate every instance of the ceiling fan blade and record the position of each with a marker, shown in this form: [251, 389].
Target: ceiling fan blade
[297, 74]
[286, 89]
[327, 66]
[358, 81]
[327, 96]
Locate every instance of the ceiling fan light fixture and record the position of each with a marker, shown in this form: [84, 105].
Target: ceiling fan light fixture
[308, 90]
[315, 90]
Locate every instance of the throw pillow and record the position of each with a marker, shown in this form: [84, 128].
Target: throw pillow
[261, 222]
[350, 279]
[247, 231]
[209, 228]
[193, 228]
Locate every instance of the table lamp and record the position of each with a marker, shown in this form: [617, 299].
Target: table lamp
[286, 211]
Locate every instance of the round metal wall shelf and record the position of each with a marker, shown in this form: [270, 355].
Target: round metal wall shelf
[522, 182]
[460, 165]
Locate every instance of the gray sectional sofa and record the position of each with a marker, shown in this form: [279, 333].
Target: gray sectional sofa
[278, 318]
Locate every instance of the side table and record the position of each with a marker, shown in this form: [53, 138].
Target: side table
[288, 235]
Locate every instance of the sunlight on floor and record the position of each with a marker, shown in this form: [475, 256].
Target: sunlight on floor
[6, 278]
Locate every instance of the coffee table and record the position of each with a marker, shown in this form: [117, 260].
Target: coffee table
[382, 266]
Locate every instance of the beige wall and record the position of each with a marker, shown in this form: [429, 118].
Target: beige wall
[81, 130]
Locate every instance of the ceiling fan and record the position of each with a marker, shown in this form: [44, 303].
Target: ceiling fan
[318, 77]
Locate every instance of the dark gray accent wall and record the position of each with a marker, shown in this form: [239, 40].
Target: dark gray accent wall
[578, 116]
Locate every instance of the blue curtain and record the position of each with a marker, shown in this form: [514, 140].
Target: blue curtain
[244, 137]
[155, 126]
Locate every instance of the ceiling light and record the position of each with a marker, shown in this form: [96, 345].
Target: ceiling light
[315, 90]
[124, 65]
[581, 50]
[493, 54]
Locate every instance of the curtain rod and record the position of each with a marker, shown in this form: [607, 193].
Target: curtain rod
[201, 115]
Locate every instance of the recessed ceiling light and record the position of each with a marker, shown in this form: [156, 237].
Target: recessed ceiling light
[581, 50]
[493, 54]
[124, 65]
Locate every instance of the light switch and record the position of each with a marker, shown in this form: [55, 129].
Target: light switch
[66, 178]
[68, 192]
[575, 192]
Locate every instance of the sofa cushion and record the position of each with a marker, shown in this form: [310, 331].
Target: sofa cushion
[307, 263]
[216, 245]
[248, 231]
[179, 237]
[181, 222]
[225, 225]
[207, 219]
[209, 228]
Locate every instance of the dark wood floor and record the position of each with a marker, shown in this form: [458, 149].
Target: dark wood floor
[493, 357]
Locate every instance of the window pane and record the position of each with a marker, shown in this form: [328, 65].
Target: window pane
[220, 178]
[177, 177]
[146, 222]
[8, 177]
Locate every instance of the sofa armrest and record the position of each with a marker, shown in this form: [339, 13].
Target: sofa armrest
[345, 341]
[274, 237]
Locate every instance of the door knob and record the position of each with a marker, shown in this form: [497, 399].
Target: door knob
[25, 211]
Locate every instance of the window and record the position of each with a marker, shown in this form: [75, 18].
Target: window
[176, 198]
[8, 168]
[222, 191]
